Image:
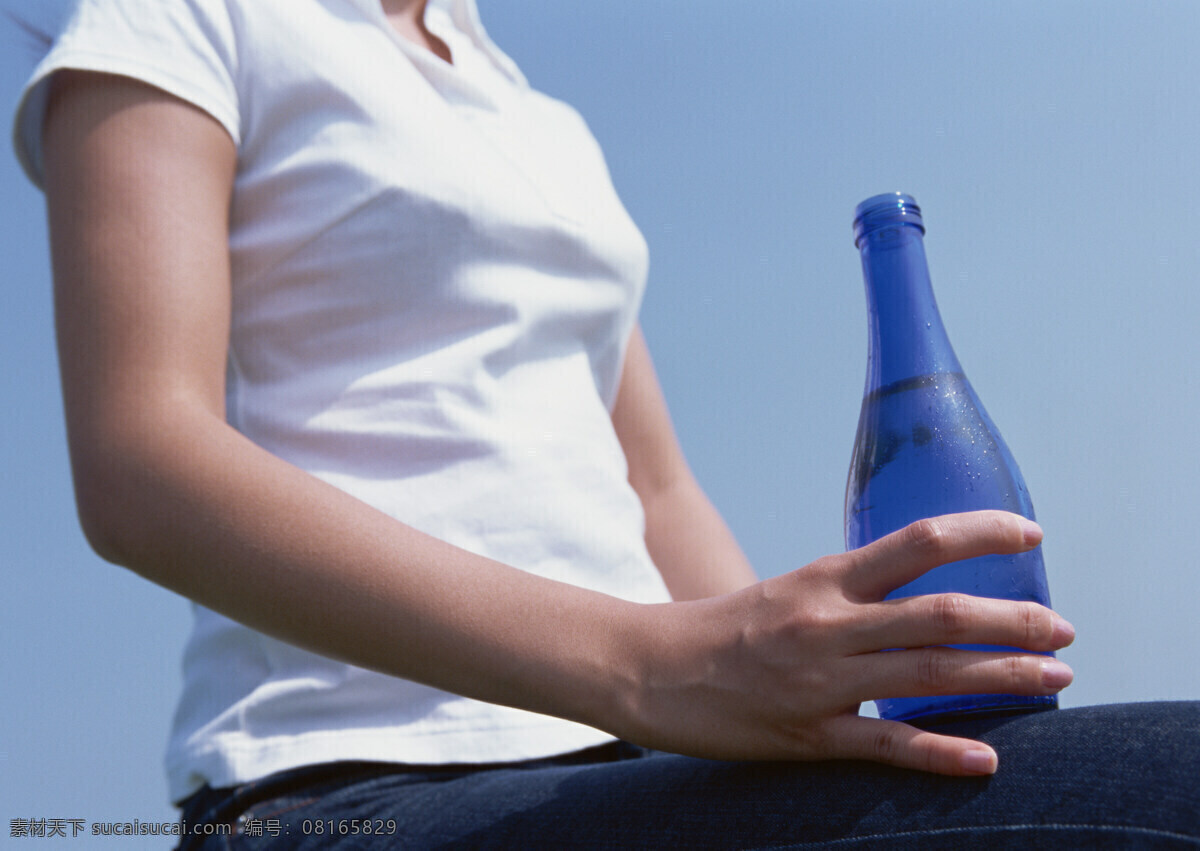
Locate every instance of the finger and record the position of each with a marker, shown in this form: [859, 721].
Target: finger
[957, 619]
[945, 670]
[894, 743]
[899, 558]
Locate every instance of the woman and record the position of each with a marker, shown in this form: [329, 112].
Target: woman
[347, 317]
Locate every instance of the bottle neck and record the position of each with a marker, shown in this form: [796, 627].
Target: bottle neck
[907, 337]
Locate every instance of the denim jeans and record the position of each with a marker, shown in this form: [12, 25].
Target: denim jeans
[1121, 776]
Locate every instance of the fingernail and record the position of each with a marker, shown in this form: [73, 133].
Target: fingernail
[1063, 633]
[978, 762]
[1055, 674]
[1033, 532]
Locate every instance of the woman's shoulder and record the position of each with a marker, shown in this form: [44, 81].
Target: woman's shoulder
[187, 48]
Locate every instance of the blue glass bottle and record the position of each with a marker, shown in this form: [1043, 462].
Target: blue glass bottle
[925, 445]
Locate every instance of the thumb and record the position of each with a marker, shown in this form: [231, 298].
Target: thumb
[904, 746]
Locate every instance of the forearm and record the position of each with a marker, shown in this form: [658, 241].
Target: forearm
[189, 503]
[691, 544]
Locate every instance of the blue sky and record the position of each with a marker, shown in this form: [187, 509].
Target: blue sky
[1052, 148]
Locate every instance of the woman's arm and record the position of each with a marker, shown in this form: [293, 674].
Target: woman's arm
[138, 187]
[689, 542]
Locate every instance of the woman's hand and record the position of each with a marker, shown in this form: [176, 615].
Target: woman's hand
[777, 671]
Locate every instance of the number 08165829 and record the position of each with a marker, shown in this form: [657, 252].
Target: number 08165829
[348, 827]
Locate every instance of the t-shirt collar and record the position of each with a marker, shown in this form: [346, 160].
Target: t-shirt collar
[464, 16]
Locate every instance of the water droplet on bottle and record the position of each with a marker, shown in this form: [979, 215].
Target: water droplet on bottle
[928, 324]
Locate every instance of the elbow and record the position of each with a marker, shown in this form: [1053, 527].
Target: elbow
[102, 541]
[114, 503]
[98, 505]
[135, 487]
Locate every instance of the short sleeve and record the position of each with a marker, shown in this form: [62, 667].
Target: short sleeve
[187, 48]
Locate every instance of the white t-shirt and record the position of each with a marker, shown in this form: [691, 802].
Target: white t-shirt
[433, 286]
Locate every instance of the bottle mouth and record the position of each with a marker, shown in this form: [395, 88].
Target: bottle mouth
[880, 211]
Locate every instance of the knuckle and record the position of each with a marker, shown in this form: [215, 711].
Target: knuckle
[808, 740]
[1017, 673]
[822, 610]
[997, 524]
[807, 676]
[927, 536]
[934, 670]
[1037, 627]
[885, 747]
[818, 624]
[817, 620]
[814, 680]
[803, 737]
[1012, 529]
[952, 614]
[828, 570]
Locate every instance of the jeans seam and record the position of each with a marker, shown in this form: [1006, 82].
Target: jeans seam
[254, 813]
[1149, 832]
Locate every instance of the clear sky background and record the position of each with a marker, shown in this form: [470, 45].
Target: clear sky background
[1052, 146]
